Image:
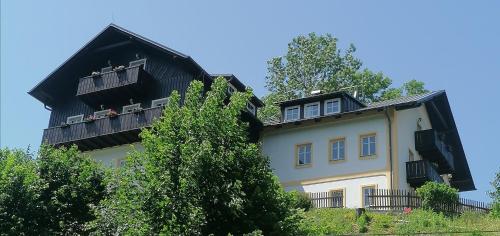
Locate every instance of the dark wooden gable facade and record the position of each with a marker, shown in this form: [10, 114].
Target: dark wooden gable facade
[132, 70]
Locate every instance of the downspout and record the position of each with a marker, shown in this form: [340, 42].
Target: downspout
[390, 145]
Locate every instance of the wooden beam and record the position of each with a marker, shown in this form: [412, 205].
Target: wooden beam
[439, 115]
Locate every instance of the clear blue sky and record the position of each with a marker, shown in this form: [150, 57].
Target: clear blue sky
[448, 45]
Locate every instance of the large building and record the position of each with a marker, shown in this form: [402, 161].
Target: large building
[335, 143]
[117, 84]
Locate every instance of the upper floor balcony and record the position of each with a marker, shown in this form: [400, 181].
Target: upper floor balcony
[419, 172]
[110, 130]
[119, 84]
[432, 148]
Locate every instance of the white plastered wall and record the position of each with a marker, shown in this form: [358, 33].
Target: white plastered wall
[351, 187]
[111, 156]
[406, 122]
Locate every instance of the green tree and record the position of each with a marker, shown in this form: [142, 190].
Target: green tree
[495, 195]
[200, 174]
[20, 187]
[314, 62]
[73, 184]
[412, 87]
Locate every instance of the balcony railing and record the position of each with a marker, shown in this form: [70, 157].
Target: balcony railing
[419, 172]
[428, 144]
[103, 132]
[121, 84]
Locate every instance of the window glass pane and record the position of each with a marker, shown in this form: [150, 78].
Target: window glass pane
[341, 150]
[335, 150]
[365, 149]
[304, 154]
[372, 148]
[332, 107]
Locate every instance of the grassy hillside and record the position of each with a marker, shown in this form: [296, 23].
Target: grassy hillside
[343, 221]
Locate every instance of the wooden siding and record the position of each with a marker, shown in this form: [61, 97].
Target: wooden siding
[108, 131]
[167, 75]
[432, 148]
[108, 80]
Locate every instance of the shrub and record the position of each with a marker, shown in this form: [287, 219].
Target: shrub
[300, 200]
[437, 196]
[363, 221]
[422, 221]
[495, 210]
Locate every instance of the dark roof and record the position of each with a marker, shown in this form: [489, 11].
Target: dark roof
[238, 85]
[40, 91]
[319, 97]
[405, 100]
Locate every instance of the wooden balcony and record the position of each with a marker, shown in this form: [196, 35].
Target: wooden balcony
[428, 144]
[118, 86]
[419, 172]
[104, 132]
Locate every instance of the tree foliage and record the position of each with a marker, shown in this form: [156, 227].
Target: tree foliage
[52, 194]
[315, 62]
[437, 196]
[199, 174]
[20, 188]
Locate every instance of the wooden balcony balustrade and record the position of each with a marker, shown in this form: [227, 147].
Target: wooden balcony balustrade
[118, 85]
[103, 132]
[419, 172]
[428, 144]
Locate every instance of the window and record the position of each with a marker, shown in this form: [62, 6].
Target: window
[303, 154]
[159, 102]
[251, 108]
[137, 63]
[368, 145]
[337, 198]
[74, 119]
[337, 149]
[292, 113]
[411, 157]
[131, 108]
[366, 192]
[332, 106]
[311, 110]
[231, 89]
[101, 114]
[120, 163]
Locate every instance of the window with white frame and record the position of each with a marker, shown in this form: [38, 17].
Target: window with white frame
[251, 108]
[304, 154]
[159, 102]
[337, 149]
[368, 145]
[101, 114]
[74, 119]
[332, 106]
[131, 108]
[230, 88]
[367, 191]
[292, 113]
[311, 110]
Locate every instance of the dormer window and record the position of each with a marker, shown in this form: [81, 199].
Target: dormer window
[230, 88]
[131, 108]
[332, 106]
[74, 119]
[251, 108]
[311, 110]
[292, 113]
[159, 102]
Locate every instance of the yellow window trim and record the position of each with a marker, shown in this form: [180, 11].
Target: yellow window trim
[343, 195]
[297, 166]
[363, 187]
[360, 146]
[330, 160]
